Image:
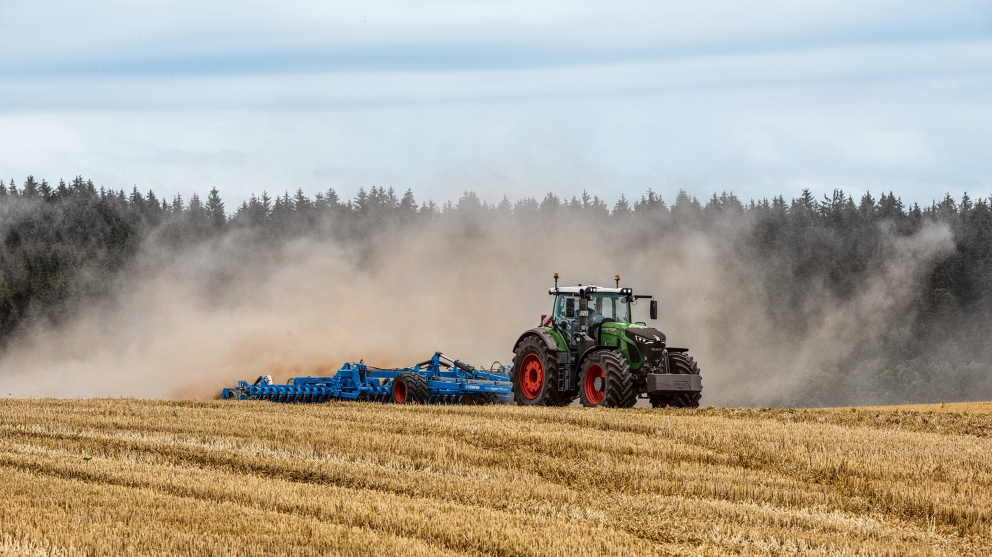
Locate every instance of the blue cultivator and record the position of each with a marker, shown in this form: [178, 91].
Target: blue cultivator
[439, 380]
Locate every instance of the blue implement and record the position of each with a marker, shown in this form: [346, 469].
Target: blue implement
[439, 380]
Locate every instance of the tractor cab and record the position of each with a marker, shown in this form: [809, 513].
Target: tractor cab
[606, 305]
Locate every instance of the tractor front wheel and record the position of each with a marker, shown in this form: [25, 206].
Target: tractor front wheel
[606, 381]
[658, 401]
[409, 387]
[681, 362]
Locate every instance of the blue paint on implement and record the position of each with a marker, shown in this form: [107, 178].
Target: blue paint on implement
[448, 382]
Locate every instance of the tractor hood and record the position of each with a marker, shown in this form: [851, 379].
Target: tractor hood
[634, 332]
[648, 351]
[648, 335]
[650, 344]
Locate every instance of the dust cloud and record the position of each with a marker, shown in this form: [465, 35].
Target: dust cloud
[184, 324]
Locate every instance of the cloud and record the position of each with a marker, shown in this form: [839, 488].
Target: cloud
[225, 157]
[47, 38]
[503, 97]
[832, 67]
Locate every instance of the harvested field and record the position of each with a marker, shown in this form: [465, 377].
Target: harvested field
[113, 477]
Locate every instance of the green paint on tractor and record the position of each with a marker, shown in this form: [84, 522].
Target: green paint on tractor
[592, 349]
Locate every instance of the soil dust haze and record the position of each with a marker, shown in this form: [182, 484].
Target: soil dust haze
[184, 324]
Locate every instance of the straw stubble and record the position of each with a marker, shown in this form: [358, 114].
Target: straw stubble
[151, 477]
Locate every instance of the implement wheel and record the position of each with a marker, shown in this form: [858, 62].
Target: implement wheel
[409, 387]
[535, 375]
[606, 381]
[487, 398]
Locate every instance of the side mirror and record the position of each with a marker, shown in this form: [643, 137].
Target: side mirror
[654, 309]
[570, 308]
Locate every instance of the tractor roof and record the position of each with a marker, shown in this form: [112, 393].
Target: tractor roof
[599, 289]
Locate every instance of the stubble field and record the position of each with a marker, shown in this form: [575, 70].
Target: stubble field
[113, 477]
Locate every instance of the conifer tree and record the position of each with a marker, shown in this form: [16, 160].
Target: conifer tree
[215, 209]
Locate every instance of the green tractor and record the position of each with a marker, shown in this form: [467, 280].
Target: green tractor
[590, 348]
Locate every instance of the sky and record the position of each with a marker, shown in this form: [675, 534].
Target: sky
[510, 98]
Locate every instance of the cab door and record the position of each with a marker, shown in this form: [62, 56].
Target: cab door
[567, 325]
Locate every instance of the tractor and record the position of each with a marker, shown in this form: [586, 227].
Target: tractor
[591, 348]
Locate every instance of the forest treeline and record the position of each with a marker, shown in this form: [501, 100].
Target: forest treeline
[65, 243]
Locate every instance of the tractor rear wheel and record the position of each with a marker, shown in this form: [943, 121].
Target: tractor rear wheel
[409, 387]
[606, 381]
[535, 375]
[682, 362]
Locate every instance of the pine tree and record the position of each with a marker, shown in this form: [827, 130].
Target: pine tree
[266, 204]
[408, 205]
[685, 205]
[429, 210]
[30, 188]
[525, 206]
[622, 208]
[136, 200]
[215, 209]
[650, 202]
[469, 202]
[550, 204]
[301, 202]
[328, 202]
[361, 203]
[46, 191]
[504, 207]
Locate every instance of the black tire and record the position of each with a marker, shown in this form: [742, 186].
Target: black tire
[409, 388]
[617, 381]
[487, 398]
[539, 361]
[658, 400]
[682, 362]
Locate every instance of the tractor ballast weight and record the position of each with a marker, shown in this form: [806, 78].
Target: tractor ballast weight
[607, 360]
[439, 380]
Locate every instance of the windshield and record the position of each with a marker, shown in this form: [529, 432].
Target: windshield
[602, 307]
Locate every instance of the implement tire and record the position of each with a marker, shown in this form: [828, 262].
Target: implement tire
[409, 387]
[682, 362]
[535, 374]
[609, 370]
[487, 398]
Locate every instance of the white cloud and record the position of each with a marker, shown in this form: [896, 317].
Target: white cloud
[755, 97]
[99, 34]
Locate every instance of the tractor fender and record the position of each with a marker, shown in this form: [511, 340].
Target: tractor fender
[544, 335]
[587, 353]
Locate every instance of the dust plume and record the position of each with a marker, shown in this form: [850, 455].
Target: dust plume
[185, 323]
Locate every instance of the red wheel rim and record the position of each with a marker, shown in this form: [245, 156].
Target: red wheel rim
[399, 391]
[589, 384]
[531, 376]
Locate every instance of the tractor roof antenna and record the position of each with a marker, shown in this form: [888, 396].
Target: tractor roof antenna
[618, 280]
